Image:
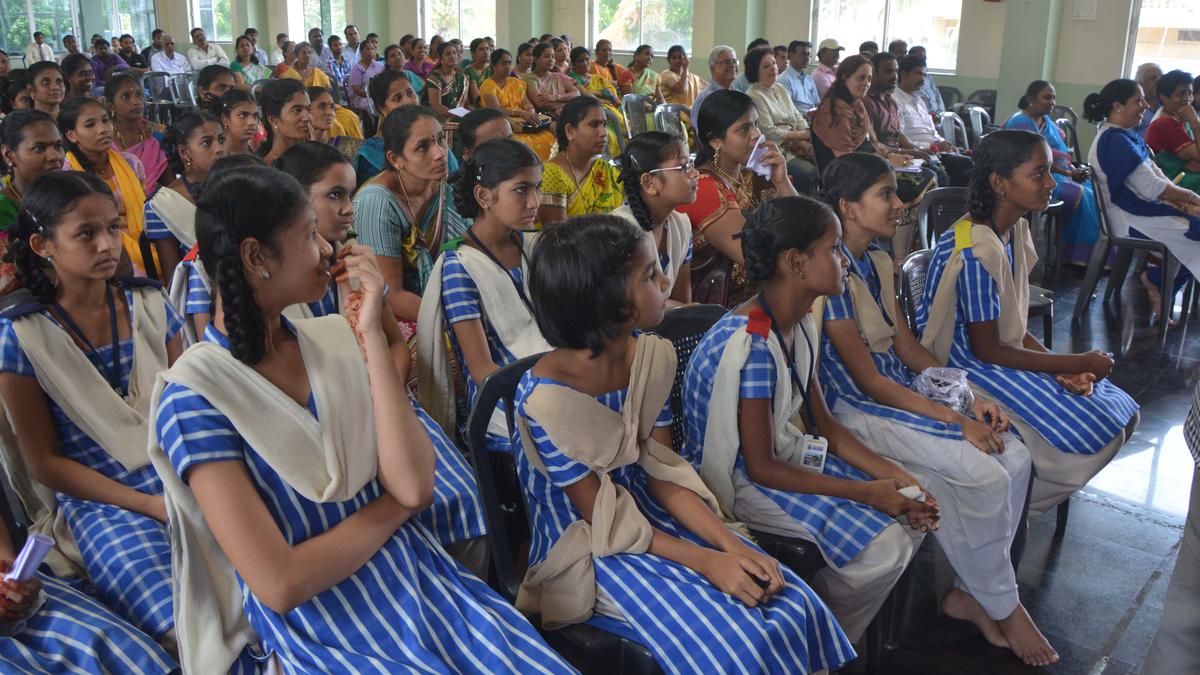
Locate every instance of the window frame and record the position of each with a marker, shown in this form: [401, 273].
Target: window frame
[592, 17]
[886, 36]
[55, 41]
[1131, 39]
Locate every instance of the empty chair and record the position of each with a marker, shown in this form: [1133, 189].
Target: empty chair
[639, 113]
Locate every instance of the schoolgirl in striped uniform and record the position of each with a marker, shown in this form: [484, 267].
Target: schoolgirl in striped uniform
[192, 145]
[456, 516]
[50, 625]
[477, 291]
[314, 509]
[659, 176]
[979, 469]
[754, 372]
[670, 573]
[75, 372]
[972, 316]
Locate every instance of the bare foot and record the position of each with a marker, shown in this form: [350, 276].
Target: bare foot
[1154, 297]
[1026, 641]
[960, 605]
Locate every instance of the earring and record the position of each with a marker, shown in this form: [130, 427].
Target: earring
[264, 274]
[717, 156]
[50, 259]
[187, 163]
[1003, 195]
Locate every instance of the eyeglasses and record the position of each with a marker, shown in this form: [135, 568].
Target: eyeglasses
[686, 167]
[727, 62]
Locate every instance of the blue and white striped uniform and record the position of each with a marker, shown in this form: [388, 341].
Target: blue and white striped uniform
[1071, 423]
[73, 632]
[457, 510]
[410, 608]
[328, 304]
[839, 385]
[126, 554]
[198, 299]
[689, 624]
[842, 528]
[156, 228]
[461, 302]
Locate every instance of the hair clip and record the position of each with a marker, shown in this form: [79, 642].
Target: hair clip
[40, 229]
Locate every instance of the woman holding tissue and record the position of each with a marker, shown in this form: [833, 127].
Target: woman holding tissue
[978, 469]
[727, 127]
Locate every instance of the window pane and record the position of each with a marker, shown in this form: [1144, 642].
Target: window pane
[631, 23]
[850, 22]
[312, 17]
[337, 18]
[135, 17]
[931, 23]
[462, 19]
[478, 20]
[441, 18]
[1167, 35]
[14, 26]
[215, 17]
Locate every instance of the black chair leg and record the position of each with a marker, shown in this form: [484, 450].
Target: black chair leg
[1116, 278]
[1060, 524]
[1092, 277]
[1048, 330]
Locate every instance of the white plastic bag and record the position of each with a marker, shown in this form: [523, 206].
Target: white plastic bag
[947, 386]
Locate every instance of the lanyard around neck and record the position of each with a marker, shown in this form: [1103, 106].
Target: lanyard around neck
[789, 355]
[491, 256]
[113, 374]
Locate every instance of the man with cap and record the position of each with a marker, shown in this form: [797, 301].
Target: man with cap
[829, 52]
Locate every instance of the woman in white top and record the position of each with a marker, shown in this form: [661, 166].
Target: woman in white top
[778, 118]
[1141, 199]
[659, 175]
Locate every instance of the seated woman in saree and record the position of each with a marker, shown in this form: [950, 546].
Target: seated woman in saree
[509, 93]
[579, 180]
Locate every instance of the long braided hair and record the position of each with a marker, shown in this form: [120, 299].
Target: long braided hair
[645, 152]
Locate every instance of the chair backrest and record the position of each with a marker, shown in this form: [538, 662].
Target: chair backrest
[950, 95]
[668, 117]
[614, 122]
[981, 121]
[913, 272]
[941, 208]
[954, 129]
[685, 327]
[1065, 111]
[1101, 191]
[635, 107]
[499, 388]
[985, 98]
[1066, 126]
[822, 155]
[183, 90]
[158, 86]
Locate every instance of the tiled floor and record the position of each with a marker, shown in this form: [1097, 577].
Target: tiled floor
[1098, 593]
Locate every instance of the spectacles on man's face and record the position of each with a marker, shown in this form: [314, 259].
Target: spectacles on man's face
[728, 63]
[686, 167]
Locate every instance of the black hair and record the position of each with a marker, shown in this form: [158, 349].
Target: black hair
[573, 113]
[12, 129]
[209, 74]
[1000, 152]
[869, 45]
[177, 137]
[475, 44]
[115, 82]
[525, 46]
[253, 57]
[540, 49]
[68, 117]
[377, 88]
[850, 176]
[308, 161]
[75, 63]
[271, 99]
[756, 43]
[1167, 84]
[880, 57]
[754, 59]
[397, 126]
[332, 39]
[583, 263]
[637, 51]
[314, 92]
[33, 71]
[578, 52]
[498, 54]
[125, 35]
[13, 86]
[555, 42]
[795, 45]
[644, 153]
[231, 99]
[443, 46]
[1031, 92]
[717, 113]
[778, 226]
[408, 37]
[470, 123]
[839, 90]
[49, 197]
[230, 162]
[490, 165]
[1097, 105]
[676, 49]
[239, 204]
[910, 62]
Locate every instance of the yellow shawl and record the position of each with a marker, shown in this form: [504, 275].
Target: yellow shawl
[133, 197]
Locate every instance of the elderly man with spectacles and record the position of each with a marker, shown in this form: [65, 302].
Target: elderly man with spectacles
[723, 66]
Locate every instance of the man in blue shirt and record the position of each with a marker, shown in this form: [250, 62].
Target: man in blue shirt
[723, 68]
[741, 83]
[796, 79]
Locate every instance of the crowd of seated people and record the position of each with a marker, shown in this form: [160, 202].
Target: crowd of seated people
[244, 338]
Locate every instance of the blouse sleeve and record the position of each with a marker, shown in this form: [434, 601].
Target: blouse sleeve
[978, 297]
[460, 295]
[758, 373]
[375, 221]
[1147, 181]
[191, 431]
[199, 300]
[708, 205]
[156, 228]
[12, 357]
[174, 320]
[839, 307]
[557, 187]
[562, 470]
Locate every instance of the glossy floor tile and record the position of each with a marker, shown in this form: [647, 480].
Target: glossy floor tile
[1098, 592]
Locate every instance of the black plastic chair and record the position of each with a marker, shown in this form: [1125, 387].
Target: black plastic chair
[1127, 249]
[1067, 127]
[635, 108]
[941, 208]
[950, 95]
[586, 647]
[822, 155]
[685, 327]
[985, 98]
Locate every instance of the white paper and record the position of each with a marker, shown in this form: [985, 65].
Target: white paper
[459, 112]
